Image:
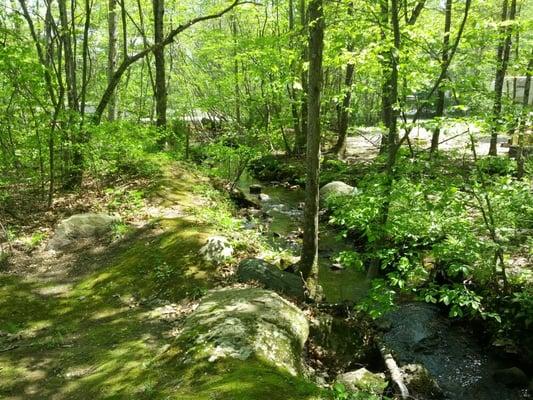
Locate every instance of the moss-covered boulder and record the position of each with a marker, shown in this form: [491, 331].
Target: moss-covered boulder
[243, 323]
[420, 382]
[80, 226]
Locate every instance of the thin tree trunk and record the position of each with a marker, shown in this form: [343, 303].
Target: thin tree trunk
[75, 171]
[386, 66]
[290, 88]
[522, 129]
[309, 261]
[70, 64]
[85, 57]
[444, 60]
[393, 143]
[300, 141]
[502, 61]
[112, 55]
[159, 55]
[344, 114]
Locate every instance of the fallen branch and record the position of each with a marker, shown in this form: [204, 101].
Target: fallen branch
[395, 373]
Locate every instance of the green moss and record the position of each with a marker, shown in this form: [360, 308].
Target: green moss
[90, 334]
[238, 380]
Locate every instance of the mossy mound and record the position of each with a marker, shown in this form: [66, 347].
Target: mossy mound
[91, 331]
[245, 323]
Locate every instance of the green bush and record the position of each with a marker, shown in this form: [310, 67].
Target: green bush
[122, 148]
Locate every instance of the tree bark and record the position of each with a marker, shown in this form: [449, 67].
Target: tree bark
[309, 260]
[444, 60]
[502, 61]
[159, 56]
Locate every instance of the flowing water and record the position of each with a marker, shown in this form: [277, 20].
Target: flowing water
[286, 213]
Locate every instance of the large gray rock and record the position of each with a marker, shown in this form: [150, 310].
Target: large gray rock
[271, 277]
[364, 380]
[80, 226]
[216, 249]
[336, 188]
[243, 323]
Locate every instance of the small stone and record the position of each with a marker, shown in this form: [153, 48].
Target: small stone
[511, 377]
[264, 197]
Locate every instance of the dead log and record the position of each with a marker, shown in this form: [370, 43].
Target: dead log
[394, 371]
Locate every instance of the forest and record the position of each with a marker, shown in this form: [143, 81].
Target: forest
[266, 199]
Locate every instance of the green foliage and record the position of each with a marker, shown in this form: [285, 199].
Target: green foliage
[379, 301]
[123, 200]
[436, 242]
[276, 168]
[351, 259]
[228, 160]
[122, 148]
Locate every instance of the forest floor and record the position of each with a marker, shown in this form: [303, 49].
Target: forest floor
[99, 320]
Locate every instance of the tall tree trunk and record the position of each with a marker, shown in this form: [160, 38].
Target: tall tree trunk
[300, 141]
[393, 143]
[159, 55]
[70, 64]
[444, 60]
[112, 55]
[344, 113]
[386, 66]
[502, 61]
[85, 57]
[309, 261]
[74, 174]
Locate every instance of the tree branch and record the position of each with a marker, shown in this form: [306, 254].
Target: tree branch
[132, 59]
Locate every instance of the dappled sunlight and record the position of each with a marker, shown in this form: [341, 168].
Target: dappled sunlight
[93, 332]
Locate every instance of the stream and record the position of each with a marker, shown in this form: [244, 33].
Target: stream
[419, 332]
